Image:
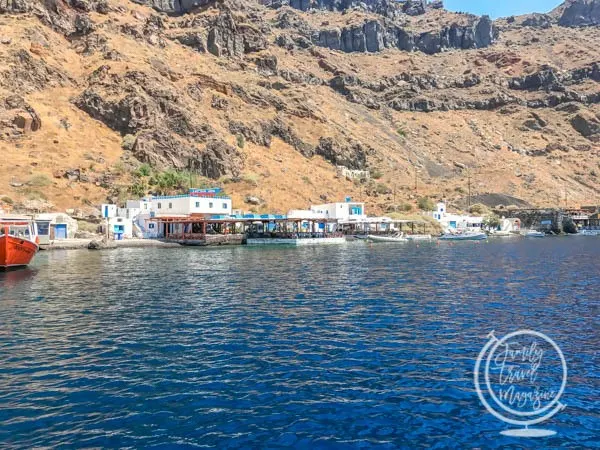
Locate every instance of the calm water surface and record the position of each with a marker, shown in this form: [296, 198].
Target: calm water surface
[355, 346]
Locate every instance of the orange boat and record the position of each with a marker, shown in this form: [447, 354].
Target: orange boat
[18, 241]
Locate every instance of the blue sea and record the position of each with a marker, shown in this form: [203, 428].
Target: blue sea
[352, 346]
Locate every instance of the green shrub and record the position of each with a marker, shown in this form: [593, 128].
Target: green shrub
[401, 132]
[169, 181]
[406, 207]
[139, 188]
[33, 194]
[382, 189]
[119, 168]
[491, 221]
[128, 142]
[251, 178]
[425, 204]
[479, 209]
[39, 180]
[376, 174]
[143, 171]
[7, 200]
[241, 141]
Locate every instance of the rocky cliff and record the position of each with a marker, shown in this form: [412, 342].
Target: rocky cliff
[578, 13]
[287, 101]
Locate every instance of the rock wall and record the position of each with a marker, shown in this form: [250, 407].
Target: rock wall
[174, 6]
[580, 13]
[374, 36]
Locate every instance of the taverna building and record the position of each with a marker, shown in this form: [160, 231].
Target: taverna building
[141, 218]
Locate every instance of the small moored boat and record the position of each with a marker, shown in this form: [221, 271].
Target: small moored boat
[418, 237]
[18, 241]
[466, 236]
[589, 233]
[500, 233]
[535, 234]
[391, 238]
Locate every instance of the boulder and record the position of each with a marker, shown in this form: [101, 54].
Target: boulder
[253, 200]
[414, 7]
[102, 244]
[17, 117]
[588, 125]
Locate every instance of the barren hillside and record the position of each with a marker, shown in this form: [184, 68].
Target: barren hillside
[110, 99]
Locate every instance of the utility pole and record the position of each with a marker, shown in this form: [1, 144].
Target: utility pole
[416, 181]
[469, 189]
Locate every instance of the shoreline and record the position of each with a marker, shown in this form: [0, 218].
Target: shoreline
[79, 244]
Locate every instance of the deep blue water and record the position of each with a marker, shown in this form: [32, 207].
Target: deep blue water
[355, 346]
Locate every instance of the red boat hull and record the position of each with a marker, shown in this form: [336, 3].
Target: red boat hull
[15, 252]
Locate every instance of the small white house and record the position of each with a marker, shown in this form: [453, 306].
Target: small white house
[120, 228]
[452, 222]
[55, 226]
[344, 211]
[108, 210]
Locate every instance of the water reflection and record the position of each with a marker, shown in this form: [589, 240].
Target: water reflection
[363, 346]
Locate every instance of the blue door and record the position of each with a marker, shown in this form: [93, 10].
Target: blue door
[60, 231]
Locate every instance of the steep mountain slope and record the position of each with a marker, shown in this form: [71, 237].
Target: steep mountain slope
[268, 98]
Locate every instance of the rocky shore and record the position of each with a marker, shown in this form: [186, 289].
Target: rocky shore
[75, 244]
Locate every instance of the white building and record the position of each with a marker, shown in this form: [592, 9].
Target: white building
[455, 222]
[138, 217]
[55, 226]
[198, 201]
[342, 212]
[120, 228]
[109, 210]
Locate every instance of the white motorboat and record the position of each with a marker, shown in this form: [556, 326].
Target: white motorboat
[466, 236]
[535, 234]
[500, 233]
[418, 237]
[391, 238]
[589, 233]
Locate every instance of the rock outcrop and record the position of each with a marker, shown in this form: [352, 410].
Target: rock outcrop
[389, 8]
[588, 125]
[28, 73]
[218, 159]
[353, 155]
[17, 118]
[227, 37]
[374, 36]
[261, 133]
[580, 13]
[167, 135]
[175, 7]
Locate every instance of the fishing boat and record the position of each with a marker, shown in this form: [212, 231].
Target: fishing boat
[19, 241]
[399, 237]
[465, 236]
[535, 234]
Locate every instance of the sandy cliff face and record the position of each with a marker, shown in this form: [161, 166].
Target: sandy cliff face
[271, 99]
